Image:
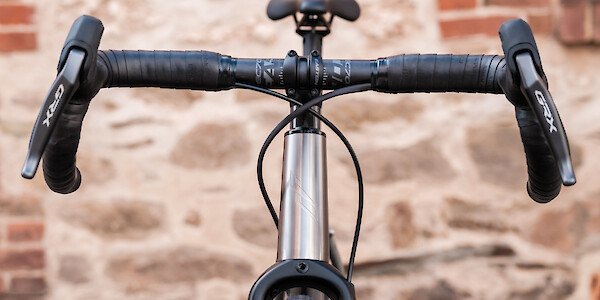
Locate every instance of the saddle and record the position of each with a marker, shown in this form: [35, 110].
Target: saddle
[345, 9]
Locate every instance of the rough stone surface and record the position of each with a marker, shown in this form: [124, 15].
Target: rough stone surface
[353, 113]
[244, 95]
[74, 269]
[364, 292]
[20, 206]
[465, 227]
[577, 154]
[255, 226]
[179, 99]
[568, 229]
[404, 264]
[95, 170]
[401, 18]
[173, 266]
[552, 289]
[212, 146]
[400, 224]
[461, 214]
[440, 291]
[498, 152]
[193, 218]
[554, 229]
[118, 219]
[422, 161]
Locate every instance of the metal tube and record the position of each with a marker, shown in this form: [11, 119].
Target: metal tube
[304, 223]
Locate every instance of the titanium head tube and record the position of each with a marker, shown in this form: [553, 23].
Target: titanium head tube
[304, 223]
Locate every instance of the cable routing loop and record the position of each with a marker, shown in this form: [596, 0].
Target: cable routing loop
[300, 110]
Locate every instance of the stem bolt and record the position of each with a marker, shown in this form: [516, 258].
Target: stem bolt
[315, 53]
[314, 92]
[291, 92]
[292, 53]
[302, 267]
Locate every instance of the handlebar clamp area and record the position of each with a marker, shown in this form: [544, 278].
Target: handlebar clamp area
[303, 73]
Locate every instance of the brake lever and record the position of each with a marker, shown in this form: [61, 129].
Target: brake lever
[59, 95]
[523, 61]
[540, 101]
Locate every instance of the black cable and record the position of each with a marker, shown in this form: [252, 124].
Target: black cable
[302, 109]
[261, 182]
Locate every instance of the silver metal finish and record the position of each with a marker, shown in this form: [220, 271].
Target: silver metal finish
[304, 223]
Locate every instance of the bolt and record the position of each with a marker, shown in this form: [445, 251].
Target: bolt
[291, 92]
[315, 53]
[314, 92]
[292, 53]
[302, 267]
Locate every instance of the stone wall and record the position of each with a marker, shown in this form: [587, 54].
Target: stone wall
[169, 207]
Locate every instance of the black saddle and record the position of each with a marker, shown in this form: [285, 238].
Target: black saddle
[345, 9]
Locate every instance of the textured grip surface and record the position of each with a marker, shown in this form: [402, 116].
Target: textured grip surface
[85, 34]
[60, 172]
[167, 69]
[516, 37]
[440, 73]
[544, 182]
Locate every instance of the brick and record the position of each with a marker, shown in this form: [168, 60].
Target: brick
[16, 14]
[519, 3]
[456, 4]
[17, 41]
[572, 22]
[22, 259]
[28, 286]
[540, 23]
[25, 232]
[472, 26]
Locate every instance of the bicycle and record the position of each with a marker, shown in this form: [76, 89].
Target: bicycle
[305, 246]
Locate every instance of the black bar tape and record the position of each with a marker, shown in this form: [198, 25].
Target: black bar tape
[544, 182]
[60, 172]
[410, 73]
[201, 70]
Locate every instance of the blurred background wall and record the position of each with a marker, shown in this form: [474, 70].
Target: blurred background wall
[169, 207]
